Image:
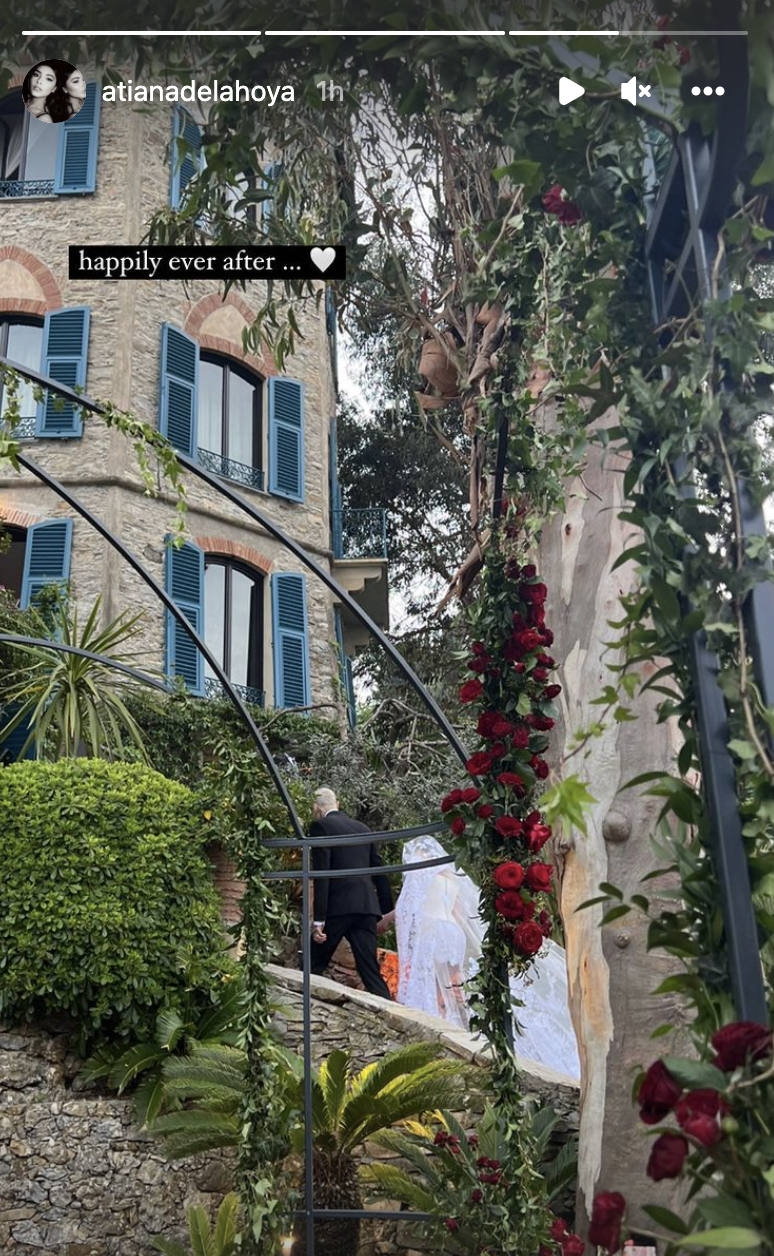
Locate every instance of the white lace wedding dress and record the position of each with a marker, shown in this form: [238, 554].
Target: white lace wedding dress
[439, 933]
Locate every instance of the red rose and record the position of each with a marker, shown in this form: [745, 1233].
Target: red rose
[451, 800]
[606, 1217]
[528, 938]
[509, 826]
[520, 739]
[497, 749]
[704, 1129]
[569, 214]
[476, 1195]
[666, 1157]
[658, 1093]
[540, 675]
[537, 617]
[700, 1103]
[546, 924]
[509, 876]
[471, 794]
[478, 648]
[452, 1225]
[553, 199]
[542, 723]
[458, 826]
[479, 763]
[546, 661]
[552, 691]
[529, 572]
[537, 837]
[486, 723]
[533, 593]
[539, 767]
[519, 668]
[502, 729]
[573, 1245]
[527, 639]
[538, 877]
[479, 665]
[511, 780]
[510, 905]
[558, 1229]
[484, 811]
[471, 690]
[685, 54]
[441, 1138]
[548, 639]
[736, 1044]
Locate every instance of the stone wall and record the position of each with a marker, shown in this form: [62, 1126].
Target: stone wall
[78, 1179]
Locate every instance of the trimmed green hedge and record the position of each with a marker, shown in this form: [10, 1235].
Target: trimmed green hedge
[108, 910]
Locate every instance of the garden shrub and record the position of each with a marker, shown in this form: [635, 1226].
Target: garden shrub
[107, 907]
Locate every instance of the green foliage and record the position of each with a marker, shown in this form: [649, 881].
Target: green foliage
[107, 908]
[71, 702]
[176, 1032]
[205, 1241]
[443, 1170]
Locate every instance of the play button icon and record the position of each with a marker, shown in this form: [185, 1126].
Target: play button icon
[569, 91]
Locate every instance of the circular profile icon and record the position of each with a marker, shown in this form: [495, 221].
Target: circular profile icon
[53, 90]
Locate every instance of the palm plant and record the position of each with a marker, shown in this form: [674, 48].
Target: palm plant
[222, 1241]
[348, 1108]
[176, 1031]
[73, 699]
[450, 1173]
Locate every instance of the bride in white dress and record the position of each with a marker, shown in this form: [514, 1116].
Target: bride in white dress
[439, 932]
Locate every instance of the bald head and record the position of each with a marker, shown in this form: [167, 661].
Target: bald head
[324, 801]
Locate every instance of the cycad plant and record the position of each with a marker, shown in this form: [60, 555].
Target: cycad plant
[176, 1031]
[75, 701]
[222, 1241]
[348, 1108]
[456, 1175]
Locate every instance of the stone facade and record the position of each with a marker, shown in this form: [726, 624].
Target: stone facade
[132, 182]
[77, 1179]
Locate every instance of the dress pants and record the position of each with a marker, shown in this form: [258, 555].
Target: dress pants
[360, 932]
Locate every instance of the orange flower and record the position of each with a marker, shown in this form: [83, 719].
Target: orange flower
[388, 966]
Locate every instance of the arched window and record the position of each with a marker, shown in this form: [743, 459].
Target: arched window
[230, 414]
[21, 340]
[233, 621]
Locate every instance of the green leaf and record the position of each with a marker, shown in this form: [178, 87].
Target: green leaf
[695, 1074]
[615, 913]
[765, 172]
[725, 1211]
[724, 1238]
[663, 1216]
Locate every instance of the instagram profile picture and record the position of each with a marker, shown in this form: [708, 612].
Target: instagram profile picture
[53, 90]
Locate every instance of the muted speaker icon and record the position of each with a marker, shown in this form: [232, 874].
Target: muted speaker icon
[629, 91]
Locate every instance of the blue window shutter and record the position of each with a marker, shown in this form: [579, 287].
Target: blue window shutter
[10, 747]
[64, 358]
[335, 489]
[290, 640]
[179, 382]
[46, 557]
[286, 437]
[184, 582]
[76, 154]
[186, 155]
[345, 670]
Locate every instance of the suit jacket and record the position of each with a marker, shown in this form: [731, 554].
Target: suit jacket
[344, 896]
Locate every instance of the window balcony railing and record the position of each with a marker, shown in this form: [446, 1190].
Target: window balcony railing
[214, 689]
[24, 429]
[17, 188]
[359, 533]
[239, 472]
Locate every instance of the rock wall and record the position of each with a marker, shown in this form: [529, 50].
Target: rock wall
[77, 1178]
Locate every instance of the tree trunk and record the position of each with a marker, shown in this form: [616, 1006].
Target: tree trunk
[611, 976]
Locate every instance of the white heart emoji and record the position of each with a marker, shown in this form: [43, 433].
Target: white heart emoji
[323, 258]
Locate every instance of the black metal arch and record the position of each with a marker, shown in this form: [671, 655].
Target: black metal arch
[309, 1214]
[142, 678]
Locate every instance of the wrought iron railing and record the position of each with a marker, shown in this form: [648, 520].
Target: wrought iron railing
[15, 188]
[214, 689]
[239, 472]
[25, 428]
[359, 533]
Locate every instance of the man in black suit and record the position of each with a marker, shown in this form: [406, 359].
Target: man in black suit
[347, 907]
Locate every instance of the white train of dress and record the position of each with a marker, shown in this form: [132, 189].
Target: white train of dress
[439, 933]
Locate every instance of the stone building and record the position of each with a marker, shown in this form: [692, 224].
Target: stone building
[171, 353]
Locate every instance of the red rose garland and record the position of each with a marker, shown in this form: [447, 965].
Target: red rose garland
[511, 685]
